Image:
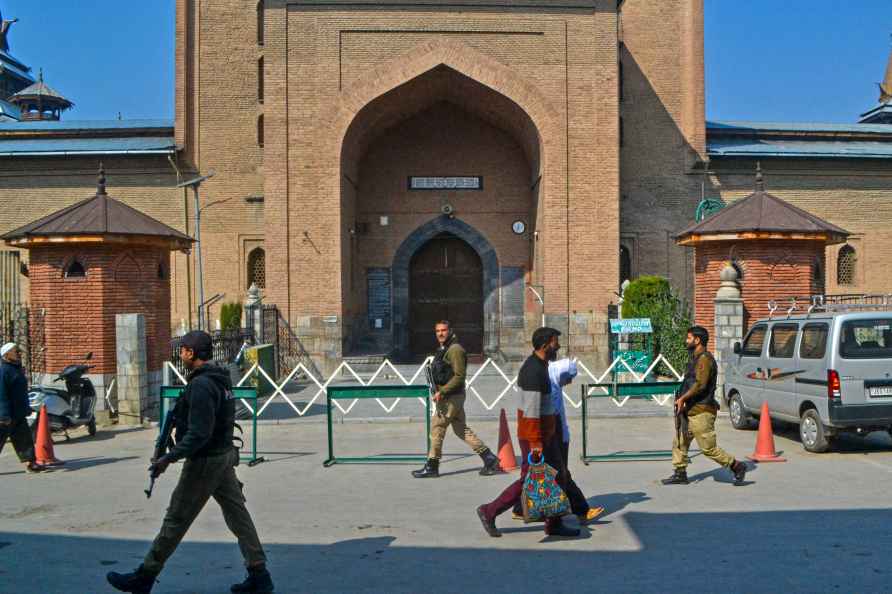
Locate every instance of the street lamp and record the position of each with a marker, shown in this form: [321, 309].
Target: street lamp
[194, 183]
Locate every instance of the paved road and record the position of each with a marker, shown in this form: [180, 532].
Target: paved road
[818, 523]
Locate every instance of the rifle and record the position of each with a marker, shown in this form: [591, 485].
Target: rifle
[681, 421]
[162, 444]
[431, 385]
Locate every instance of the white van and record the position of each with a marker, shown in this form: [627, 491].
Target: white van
[829, 370]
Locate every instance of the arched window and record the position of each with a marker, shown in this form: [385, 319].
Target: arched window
[257, 268]
[845, 265]
[260, 80]
[625, 264]
[75, 270]
[260, 10]
[260, 130]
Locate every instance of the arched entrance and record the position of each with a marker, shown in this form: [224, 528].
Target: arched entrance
[445, 282]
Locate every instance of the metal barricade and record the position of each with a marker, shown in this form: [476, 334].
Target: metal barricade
[355, 393]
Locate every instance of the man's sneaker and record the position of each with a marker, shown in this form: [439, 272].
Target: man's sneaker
[488, 525]
[739, 471]
[259, 581]
[34, 468]
[679, 477]
[138, 582]
[590, 515]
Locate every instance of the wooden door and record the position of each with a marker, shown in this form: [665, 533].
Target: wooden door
[446, 283]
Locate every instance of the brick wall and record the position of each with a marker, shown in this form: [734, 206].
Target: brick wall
[772, 270]
[80, 312]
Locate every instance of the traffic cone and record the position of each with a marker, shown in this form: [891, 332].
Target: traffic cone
[43, 445]
[765, 451]
[507, 459]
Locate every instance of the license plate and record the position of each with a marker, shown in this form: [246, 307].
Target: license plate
[883, 391]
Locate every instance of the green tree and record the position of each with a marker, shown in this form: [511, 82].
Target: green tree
[652, 297]
[231, 316]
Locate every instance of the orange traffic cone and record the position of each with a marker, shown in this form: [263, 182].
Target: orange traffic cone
[43, 446]
[507, 459]
[765, 451]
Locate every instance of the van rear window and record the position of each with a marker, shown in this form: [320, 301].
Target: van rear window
[866, 339]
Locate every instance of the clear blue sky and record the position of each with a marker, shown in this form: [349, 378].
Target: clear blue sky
[107, 56]
[770, 60]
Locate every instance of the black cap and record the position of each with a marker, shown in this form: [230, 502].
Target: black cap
[200, 343]
[542, 335]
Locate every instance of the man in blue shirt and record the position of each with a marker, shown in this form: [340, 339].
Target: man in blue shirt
[15, 407]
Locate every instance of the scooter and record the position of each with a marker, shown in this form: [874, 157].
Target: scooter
[73, 407]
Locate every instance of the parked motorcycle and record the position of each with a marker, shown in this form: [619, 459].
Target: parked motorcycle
[73, 407]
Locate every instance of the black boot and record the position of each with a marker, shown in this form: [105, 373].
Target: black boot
[490, 463]
[431, 469]
[557, 528]
[679, 477]
[259, 581]
[138, 582]
[739, 470]
[488, 524]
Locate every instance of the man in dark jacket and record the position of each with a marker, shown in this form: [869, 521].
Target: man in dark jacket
[538, 432]
[205, 420]
[449, 400]
[15, 407]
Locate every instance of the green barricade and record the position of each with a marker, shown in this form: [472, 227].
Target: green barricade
[333, 393]
[632, 391]
[245, 393]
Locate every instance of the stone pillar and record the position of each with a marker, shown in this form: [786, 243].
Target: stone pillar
[133, 375]
[253, 313]
[728, 319]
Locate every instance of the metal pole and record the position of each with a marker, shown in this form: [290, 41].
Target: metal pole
[199, 268]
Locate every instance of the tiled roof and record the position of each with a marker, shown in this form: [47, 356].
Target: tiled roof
[789, 139]
[85, 125]
[139, 145]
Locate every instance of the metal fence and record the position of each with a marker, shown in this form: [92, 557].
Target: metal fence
[226, 346]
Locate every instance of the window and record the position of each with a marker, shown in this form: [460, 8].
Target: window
[867, 339]
[621, 81]
[260, 80]
[162, 271]
[752, 346]
[845, 265]
[622, 133]
[75, 270]
[817, 272]
[783, 341]
[260, 19]
[260, 130]
[257, 268]
[814, 341]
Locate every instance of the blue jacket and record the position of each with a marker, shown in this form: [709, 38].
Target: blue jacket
[14, 402]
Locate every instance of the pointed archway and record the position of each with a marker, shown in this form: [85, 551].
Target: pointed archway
[402, 269]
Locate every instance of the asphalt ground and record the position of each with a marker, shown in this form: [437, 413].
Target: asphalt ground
[816, 523]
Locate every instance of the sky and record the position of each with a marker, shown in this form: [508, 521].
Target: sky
[766, 60]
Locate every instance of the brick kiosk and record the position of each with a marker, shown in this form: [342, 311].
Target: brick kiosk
[777, 248]
[89, 262]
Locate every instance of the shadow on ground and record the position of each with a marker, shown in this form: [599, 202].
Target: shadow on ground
[746, 552]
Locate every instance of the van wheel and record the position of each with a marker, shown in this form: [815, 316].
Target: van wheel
[740, 417]
[91, 428]
[812, 433]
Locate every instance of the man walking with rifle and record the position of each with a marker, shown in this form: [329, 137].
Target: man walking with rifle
[204, 418]
[446, 377]
[695, 411]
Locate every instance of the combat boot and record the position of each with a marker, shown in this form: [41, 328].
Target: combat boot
[138, 582]
[431, 470]
[259, 581]
[490, 463]
[679, 477]
[739, 470]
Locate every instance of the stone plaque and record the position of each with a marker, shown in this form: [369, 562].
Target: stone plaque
[379, 306]
[453, 182]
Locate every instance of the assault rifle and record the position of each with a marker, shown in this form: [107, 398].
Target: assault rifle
[681, 421]
[431, 385]
[162, 444]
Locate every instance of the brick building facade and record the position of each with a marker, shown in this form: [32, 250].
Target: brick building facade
[579, 124]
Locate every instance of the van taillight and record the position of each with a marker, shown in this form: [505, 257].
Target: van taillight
[834, 389]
